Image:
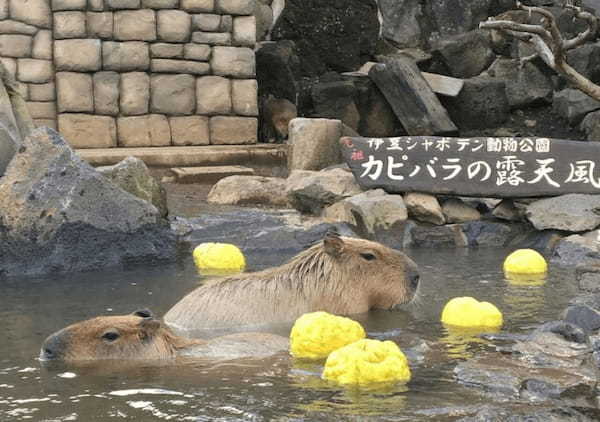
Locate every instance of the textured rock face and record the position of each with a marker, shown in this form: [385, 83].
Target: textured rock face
[376, 210]
[236, 190]
[133, 176]
[576, 250]
[574, 213]
[315, 143]
[63, 215]
[338, 36]
[424, 207]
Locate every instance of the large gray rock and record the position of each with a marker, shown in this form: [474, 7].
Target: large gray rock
[376, 210]
[238, 190]
[576, 250]
[466, 55]
[424, 207]
[132, 175]
[59, 214]
[314, 143]
[525, 85]
[573, 212]
[591, 126]
[573, 105]
[456, 211]
[311, 191]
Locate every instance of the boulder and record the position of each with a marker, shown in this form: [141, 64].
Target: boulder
[335, 100]
[490, 233]
[337, 36]
[427, 236]
[59, 214]
[557, 414]
[506, 210]
[314, 143]
[424, 207]
[588, 278]
[576, 250]
[311, 191]
[132, 175]
[466, 55]
[572, 212]
[456, 211]
[586, 60]
[376, 210]
[525, 85]
[591, 126]
[573, 105]
[403, 22]
[482, 103]
[241, 190]
[278, 70]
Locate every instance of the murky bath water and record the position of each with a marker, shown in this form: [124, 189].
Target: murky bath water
[274, 389]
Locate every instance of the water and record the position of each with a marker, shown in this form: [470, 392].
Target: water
[274, 389]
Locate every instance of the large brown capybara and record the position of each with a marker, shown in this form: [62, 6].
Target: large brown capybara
[339, 275]
[140, 336]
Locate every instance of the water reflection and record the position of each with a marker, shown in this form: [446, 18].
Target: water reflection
[464, 342]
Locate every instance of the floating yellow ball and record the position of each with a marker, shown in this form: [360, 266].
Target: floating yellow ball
[469, 312]
[366, 362]
[525, 261]
[219, 257]
[315, 335]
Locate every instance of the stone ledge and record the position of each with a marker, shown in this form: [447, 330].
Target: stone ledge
[194, 156]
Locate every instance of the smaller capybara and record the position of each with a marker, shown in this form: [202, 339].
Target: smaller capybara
[339, 275]
[276, 114]
[141, 336]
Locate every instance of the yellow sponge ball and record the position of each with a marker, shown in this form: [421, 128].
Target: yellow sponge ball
[219, 257]
[469, 312]
[315, 335]
[525, 261]
[367, 362]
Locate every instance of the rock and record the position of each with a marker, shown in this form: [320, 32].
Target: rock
[87, 131]
[9, 133]
[167, 51]
[583, 316]
[32, 12]
[573, 105]
[264, 20]
[489, 233]
[34, 71]
[232, 130]
[14, 45]
[172, 94]
[174, 25]
[150, 130]
[456, 211]
[42, 92]
[506, 210]
[576, 250]
[424, 207]
[314, 143]
[179, 66]
[330, 35]
[237, 62]
[133, 176]
[525, 85]
[198, 6]
[311, 191]
[135, 25]
[244, 97]
[482, 103]
[125, 56]
[402, 22]
[196, 52]
[206, 22]
[559, 414]
[74, 92]
[466, 55]
[244, 31]
[100, 25]
[335, 100]
[15, 27]
[451, 18]
[586, 61]
[376, 210]
[278, 70]
[591, 126]
[241, 190]
[588, 278]
[68, 5]
[42, 110]
[572, 212]
[212, 38]
[189, 130]
[106, 93]
[135, 93]
[77, 55]
[69, 25]
[213, 95]
[427, 236]
[42, 45]
[65, 216]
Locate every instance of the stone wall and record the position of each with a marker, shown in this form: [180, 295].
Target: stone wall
[133, 73]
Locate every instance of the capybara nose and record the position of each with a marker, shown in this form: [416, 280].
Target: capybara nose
[53, 347]
[413, 279]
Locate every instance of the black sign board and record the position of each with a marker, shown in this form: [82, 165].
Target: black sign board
[486, 167]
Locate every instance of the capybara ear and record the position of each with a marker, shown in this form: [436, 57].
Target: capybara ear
[334, 245]
[144, 313]
[149, 326]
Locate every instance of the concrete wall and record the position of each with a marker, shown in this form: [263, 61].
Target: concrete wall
[133, 73]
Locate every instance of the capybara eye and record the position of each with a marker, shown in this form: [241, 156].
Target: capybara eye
[110, 336]
[368, 256]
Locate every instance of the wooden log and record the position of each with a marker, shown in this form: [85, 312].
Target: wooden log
[483, 167]
[411, 98]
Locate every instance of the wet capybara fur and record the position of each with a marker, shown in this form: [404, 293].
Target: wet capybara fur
[276, 114]
[339, 275]
[140, 336]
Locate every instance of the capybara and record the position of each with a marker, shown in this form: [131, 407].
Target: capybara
[339, 275]
[276, 114]
[141, 336]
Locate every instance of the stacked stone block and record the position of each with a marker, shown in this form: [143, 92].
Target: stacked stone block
[136, 73]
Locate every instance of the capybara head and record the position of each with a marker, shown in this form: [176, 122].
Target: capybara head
[135, 336]
[279, 112]
[389, 276]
